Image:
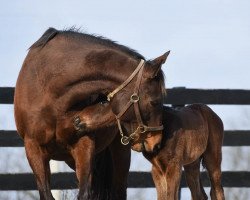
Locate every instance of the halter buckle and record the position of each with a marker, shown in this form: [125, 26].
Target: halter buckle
[142, 128]
[134, 98]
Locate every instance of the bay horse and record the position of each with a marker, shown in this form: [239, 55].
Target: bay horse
[191, 134]
[64, 73]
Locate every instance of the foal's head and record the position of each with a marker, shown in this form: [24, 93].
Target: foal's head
[144, 116]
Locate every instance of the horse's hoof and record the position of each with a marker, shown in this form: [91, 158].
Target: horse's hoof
[78, 125]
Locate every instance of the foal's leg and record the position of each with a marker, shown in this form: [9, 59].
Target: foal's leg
[173, 178]
[168, 181]
[39, 163]
[212, 157]
[83, 153]
[213, 154]
[192, 174]
[121, 163]
[160, 183]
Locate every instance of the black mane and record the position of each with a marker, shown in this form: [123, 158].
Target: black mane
[76, 34]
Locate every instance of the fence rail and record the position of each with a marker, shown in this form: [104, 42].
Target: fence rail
[231, 138]
[175, 97]
[67, 180]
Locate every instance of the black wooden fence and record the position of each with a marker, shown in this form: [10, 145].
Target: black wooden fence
[176, 97]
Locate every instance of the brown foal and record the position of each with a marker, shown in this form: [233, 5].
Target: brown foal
[191, 134]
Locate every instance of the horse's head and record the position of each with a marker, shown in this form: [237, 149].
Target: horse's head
[138, 106]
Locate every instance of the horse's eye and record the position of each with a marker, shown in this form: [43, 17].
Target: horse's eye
[155, 103]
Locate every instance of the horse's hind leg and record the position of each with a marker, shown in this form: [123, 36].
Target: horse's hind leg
[212, 160]
[192, 174]
[39, 163]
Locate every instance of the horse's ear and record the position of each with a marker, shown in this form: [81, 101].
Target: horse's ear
[154, 66]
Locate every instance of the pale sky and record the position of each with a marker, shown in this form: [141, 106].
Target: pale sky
[209, 40]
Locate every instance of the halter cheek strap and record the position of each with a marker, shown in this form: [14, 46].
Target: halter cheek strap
[125, 83]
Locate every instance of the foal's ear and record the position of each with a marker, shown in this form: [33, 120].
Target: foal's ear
[154, 66]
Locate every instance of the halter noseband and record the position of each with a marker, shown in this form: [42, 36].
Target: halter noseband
[134, 99]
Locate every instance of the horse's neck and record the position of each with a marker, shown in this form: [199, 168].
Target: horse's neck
[116, 74]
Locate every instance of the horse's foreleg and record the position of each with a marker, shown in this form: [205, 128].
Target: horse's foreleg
[121, 162]
[83, 153]
[192, 173]
[39, 163]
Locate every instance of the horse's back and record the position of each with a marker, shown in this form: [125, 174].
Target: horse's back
[215, 124]
[190, 117]
[189, 130]
[212, 120]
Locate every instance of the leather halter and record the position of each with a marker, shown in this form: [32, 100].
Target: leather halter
[134, 100]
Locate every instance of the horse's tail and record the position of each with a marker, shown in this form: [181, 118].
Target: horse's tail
[101, 187]
[46, 37]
